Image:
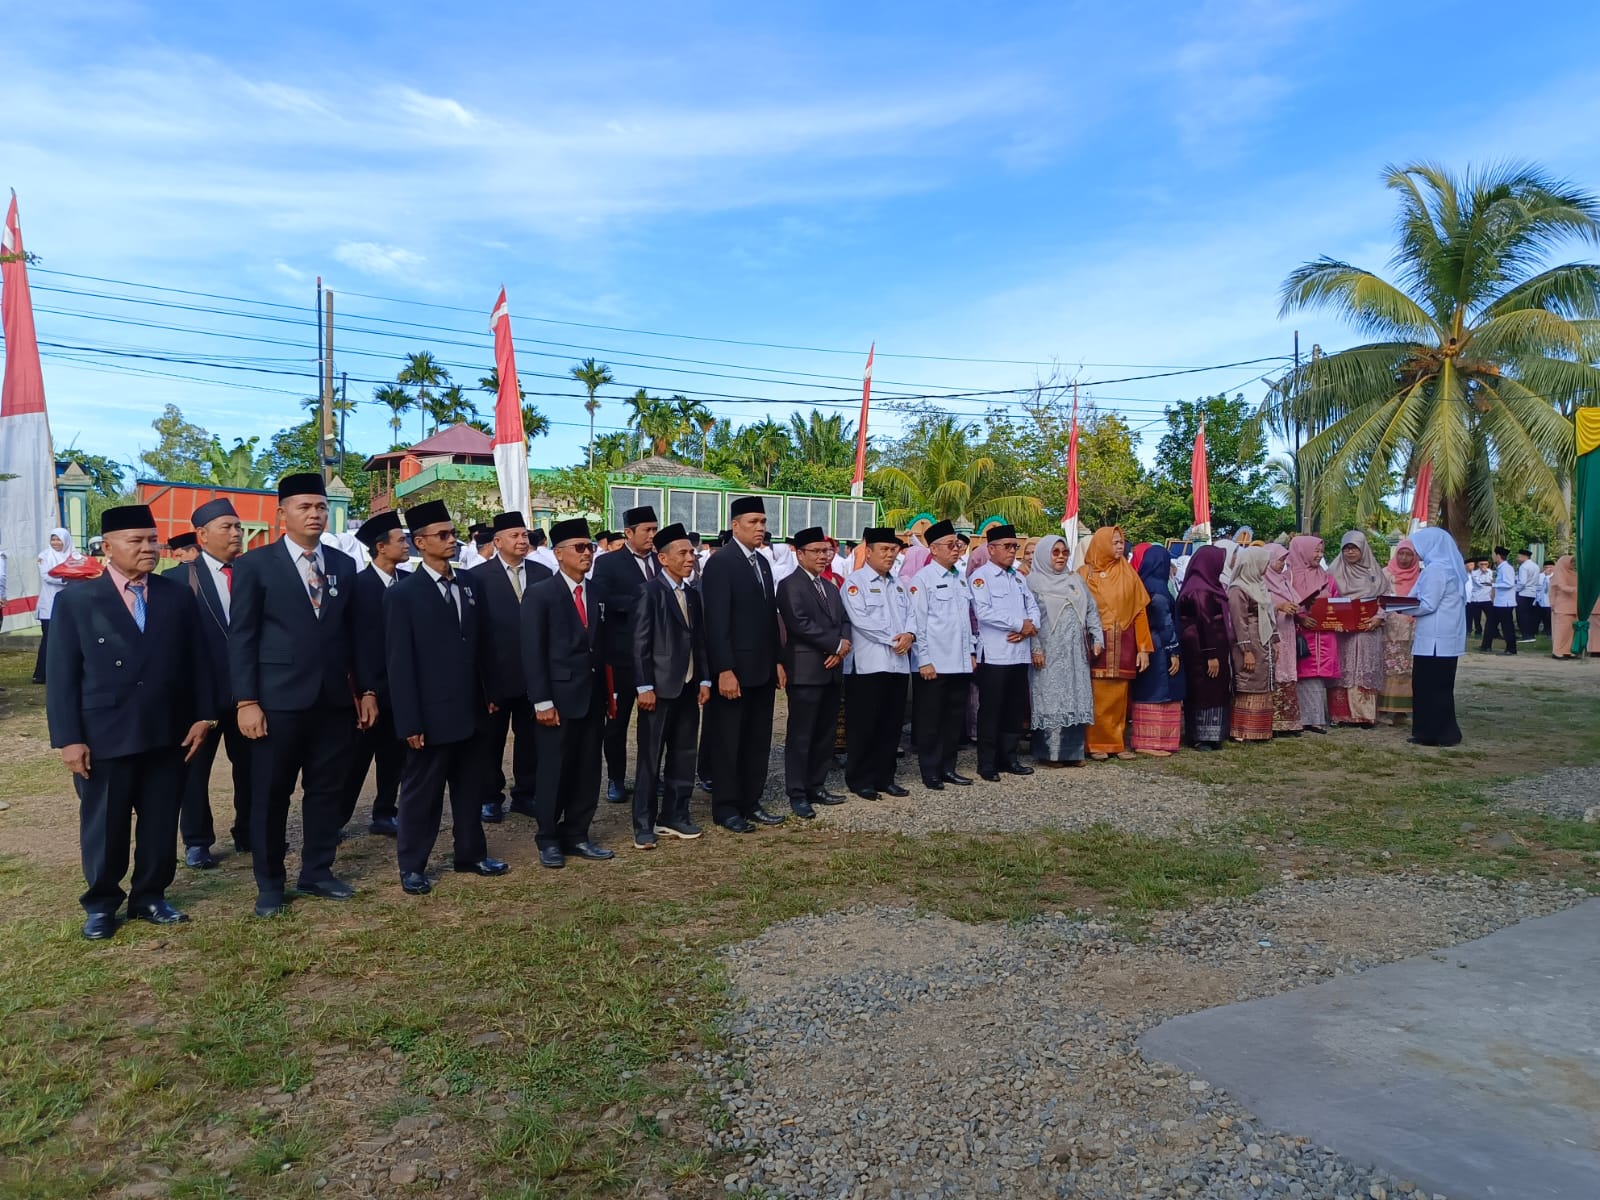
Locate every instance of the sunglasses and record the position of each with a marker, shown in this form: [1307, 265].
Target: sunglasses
[579, 547]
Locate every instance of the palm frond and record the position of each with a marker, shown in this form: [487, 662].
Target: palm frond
[1570, 290]
[1563, 385]
[1524, 331]
[1368, 302]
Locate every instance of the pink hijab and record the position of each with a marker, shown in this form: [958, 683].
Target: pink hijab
[1306, 574]
[1403, 578]
[1278, 584]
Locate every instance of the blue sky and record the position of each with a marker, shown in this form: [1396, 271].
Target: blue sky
[1034, 182]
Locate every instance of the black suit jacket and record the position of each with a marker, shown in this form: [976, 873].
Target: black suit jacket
[741, 617]
[502, 617]
[117, 690]
[664, 648]
[560, 658]
[280, 654]
[813, 627]
[618, 582]
[435, 679]
[212, 642]
[367, 602]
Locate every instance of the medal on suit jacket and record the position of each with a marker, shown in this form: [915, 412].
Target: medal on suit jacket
[333, 584]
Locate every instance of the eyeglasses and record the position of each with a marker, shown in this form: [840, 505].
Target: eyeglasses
[442, 535]
[1008, 545]
[577, 547]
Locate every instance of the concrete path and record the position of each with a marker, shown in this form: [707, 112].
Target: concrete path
[1473, 1071]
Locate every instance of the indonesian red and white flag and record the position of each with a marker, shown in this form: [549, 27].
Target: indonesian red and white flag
[1069, 518]
[1419, 501]
[510, 441]
[28, 507]
[859, 481]
[1200, 481]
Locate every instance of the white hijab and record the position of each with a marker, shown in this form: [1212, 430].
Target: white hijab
[50, 557]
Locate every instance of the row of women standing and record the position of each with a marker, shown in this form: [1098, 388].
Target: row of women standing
[1127, 662]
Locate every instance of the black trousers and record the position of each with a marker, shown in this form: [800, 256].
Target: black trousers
[808, 741]
[1002, 700]
[1501, 624]
[1433, 700]
[1476, 615]
[873, 713]
[427, 772]
[740, 736]
[1542, 623]
[378, 747]
[616, 739]
[38, 662]
[569, 775]
[938, 711]
[118, 788]
[666, 733]
[194, 818]
[312, 747]
[1527, 618]
[513, 717]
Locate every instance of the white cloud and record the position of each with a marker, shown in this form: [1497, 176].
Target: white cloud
[372, 259]
[284, 268]
[436, 108]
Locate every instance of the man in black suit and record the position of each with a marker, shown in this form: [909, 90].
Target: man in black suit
[185, 547]
[436, 655]
[816, 639]
[566, 683]
[501, 584]
[209, 577]
[742, 646]
[673, 684]
[298, 669]
[378, 745]
[128, 704]
[618, 579]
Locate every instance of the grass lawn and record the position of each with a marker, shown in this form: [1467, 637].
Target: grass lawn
[543, 1020]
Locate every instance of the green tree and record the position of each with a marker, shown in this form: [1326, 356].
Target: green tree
[1236, 452]
[594, 376]
[580, 488]
[423, 372]
[823, 441]
[397, 400]
[939, 468]
[107, 474]
[182, 450]
[612, 451]
[1479, 344]
[238, 467]
[534, 423]
[297, 448]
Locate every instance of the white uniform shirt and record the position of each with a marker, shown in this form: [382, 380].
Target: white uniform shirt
[546, 556]
[941, 608]
[1505, 586]
[218, 581]
[1541, 595]
[1002, 602]
[1441, 613]
[1528, 580]
[1480, 585]
[880, 611]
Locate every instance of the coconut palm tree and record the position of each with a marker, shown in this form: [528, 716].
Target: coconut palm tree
[705, 421]
[593, 375]
[423, 372]
[613, 450]
[946, 475]
[661, 424]
[693, 417]
[823, 441]
[1480, 351]
[534, 423]
[397, 400]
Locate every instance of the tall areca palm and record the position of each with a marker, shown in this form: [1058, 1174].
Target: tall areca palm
[1480, 352]
[534, 423]
[423, 372]
[824, 441]
[946, 475]
[397, 400]
[692, 416]
[613, 450]
[450, 407]
[593, 375]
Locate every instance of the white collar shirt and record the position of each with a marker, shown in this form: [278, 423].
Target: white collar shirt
[218, 581]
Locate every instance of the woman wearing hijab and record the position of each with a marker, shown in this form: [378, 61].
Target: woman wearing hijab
[1059, 686]
[1230, 554]
[1255, 646]
[1317, 670]
[1285, 658]
[1439, 638]
[1155, 716]
[1205, 629]
[1356, 573]
[1401, 575]
[59, 550]
[1563, 606]
[1121, 600]
[1030, 547]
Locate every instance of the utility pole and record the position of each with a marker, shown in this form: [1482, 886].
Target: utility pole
[344, 404]
[1293, 399]
[327, 441]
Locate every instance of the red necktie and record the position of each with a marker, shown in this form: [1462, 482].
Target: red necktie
[583, 611]
[227, 574]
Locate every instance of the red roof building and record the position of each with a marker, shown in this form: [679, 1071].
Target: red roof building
[459, 445]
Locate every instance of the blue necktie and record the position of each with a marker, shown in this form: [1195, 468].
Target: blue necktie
[138, 604]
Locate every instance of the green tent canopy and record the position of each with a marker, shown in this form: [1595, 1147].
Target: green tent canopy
[1588, 523]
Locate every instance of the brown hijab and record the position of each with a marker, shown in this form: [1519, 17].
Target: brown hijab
[1117, 589]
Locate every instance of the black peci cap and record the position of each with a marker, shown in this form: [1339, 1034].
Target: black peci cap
[211, 510]
[643, 515]
[880, 535]
[429, 512]
[745, 505]
[668, 534]
[182, 541]
[127, 516]
[306, 483]
[566, 531]
[808, 537]
[374, 529]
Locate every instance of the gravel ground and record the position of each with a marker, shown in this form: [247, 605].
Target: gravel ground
[880, 1053]
[1568, 792]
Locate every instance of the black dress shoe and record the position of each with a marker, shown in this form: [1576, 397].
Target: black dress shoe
[491, 814]
[957, 778]
[895, 790]
[100, 926]
[486, 866]
[550, 856]
[241, 845]
[523, 808]
[591, 850]
[615, 792]
[1017, 767]
[803, 810]
[414, 883]
[330, 888]
[989, 776]
[933, 785]
[157, 912]
[270, 906]
[865, 793]
[824, 796]
[737, 824]
[762, 817]
[199, 858]
[385, 827]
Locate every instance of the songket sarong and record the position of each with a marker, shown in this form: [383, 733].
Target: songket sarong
[1157, 726]
[1251, 719]
[1286, 708]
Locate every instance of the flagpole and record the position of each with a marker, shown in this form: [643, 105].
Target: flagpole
[858, 482]
[1069, 517]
